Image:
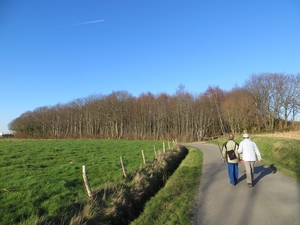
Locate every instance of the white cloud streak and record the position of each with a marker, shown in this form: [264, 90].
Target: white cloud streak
[84, 23]
[78, 24]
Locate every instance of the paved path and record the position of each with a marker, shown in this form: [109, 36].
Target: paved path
[274, 199]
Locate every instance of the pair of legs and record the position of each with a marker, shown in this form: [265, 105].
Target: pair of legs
[233, 172]
[249, 166]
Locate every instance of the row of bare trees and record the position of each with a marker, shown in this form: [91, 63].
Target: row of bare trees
[266, 102]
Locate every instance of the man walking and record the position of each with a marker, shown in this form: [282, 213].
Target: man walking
[250, 151]
[230, 154]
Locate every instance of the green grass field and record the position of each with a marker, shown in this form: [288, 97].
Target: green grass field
[44, 177]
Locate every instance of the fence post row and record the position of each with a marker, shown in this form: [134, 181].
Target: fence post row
[85, 178]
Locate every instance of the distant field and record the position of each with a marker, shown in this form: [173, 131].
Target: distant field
[44, 177]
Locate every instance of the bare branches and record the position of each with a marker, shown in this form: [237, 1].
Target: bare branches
[267, 102]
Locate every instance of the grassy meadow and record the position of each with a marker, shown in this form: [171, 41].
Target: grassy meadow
[280, 154]
[44, 177]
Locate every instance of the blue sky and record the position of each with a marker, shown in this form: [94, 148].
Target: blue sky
[57, 51]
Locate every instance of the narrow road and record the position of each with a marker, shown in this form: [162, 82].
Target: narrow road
[274, 199]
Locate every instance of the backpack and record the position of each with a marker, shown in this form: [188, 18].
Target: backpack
[231, 153]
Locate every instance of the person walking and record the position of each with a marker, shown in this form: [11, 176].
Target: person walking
[250, 151]
[231, 156]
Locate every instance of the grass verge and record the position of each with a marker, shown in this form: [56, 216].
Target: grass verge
[174, 203]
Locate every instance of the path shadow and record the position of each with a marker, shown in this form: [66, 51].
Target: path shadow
[263, 171]
[243, 177]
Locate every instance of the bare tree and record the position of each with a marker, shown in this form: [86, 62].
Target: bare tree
[216, 96]
[266, 102]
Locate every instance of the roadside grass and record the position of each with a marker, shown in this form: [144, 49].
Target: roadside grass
[174, 203]
[279, 154]
[43, 178]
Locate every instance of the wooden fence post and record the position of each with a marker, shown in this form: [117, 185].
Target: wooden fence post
[143, 156]
[123, 168]
[86, 182]
[154, 151]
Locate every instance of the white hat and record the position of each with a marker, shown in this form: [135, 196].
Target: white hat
[245, 135]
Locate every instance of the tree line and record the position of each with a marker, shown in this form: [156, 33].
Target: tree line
[266, 102]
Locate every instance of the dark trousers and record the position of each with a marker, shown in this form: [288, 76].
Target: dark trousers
[233, 172]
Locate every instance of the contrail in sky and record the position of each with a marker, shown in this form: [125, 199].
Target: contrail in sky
[94, 21]
[72, 25]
